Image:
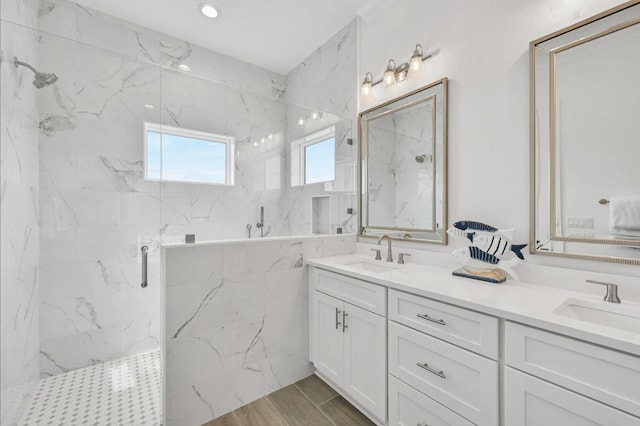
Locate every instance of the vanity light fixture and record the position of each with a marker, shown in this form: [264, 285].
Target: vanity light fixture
[366, 84]
[396, 74]
[390, 73]
[209, 10]
[416, 59]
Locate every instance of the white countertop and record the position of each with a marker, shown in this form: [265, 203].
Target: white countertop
[525, 303]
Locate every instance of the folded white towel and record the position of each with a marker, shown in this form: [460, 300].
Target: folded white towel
[624, 216]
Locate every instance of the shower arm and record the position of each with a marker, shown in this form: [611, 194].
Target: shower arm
[24, 64]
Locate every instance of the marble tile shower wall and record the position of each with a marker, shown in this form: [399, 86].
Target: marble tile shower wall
[97, 209]
[237, 321]
[401, 188]
[19, 228]
[326, 81]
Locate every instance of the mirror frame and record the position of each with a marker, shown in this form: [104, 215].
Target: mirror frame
[552, 161]
[363, 163]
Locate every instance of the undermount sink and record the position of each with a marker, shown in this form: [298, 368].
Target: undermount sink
[371, 267]
[623, 316]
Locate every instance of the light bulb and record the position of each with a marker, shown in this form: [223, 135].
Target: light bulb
[389, 78]
[300, 121]
[367, 84]
[270, 136]
[315, 115]
[255, 144]
[389, 74]
[416, 59]
[262, 140]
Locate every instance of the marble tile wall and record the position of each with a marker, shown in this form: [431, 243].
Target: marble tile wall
[19, 227]
[401, 188]
[97, 208]
[326, 81]
[237, 321]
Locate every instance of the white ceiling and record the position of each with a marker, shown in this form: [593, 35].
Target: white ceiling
[273, 34]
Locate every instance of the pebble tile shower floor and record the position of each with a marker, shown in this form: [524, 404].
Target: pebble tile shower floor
[126, 391]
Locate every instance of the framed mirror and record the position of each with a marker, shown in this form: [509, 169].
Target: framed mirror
[585, 139]
[403, 167]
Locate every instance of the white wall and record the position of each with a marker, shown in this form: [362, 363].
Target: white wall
[482, 47]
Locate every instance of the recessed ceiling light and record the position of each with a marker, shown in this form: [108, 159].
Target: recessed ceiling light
[184, 67]
[209, 10]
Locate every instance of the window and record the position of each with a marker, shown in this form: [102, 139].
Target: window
[173, 154]
[313, 158]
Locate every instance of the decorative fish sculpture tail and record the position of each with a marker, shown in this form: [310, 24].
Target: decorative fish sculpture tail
[471, 225]
[494, 245]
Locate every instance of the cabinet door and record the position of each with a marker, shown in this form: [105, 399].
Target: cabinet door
[533, 402]
[329, 345]
[365, 375]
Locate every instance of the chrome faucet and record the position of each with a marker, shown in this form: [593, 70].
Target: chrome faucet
[612, 291]
[389, 253]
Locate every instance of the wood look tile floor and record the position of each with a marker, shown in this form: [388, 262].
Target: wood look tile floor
[309, 402]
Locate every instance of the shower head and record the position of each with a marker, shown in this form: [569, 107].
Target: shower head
[41, 79]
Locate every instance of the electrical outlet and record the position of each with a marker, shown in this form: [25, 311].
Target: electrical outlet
[580, 222]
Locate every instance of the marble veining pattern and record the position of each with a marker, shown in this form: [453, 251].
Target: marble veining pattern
[19, 227]
[90, 198]
[237, 321]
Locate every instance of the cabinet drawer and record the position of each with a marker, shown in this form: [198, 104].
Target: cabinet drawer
[603, 374]
[458, 379]
[534, 402]
[470, 330]
[368, 296]
[407, 406]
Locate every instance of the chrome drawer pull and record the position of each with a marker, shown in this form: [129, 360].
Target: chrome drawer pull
[431, 370]
[344, 320]
[428, 318]
[337, 319]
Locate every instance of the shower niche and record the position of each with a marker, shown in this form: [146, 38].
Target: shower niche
[321, 214]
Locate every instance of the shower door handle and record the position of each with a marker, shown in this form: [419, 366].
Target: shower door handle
[144, 250]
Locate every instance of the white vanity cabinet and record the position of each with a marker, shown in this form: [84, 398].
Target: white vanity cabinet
[348, 342]
[408, 360]
[428, 342]
[567, 381]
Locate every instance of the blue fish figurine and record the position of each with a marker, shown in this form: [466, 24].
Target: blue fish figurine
[465, 225]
